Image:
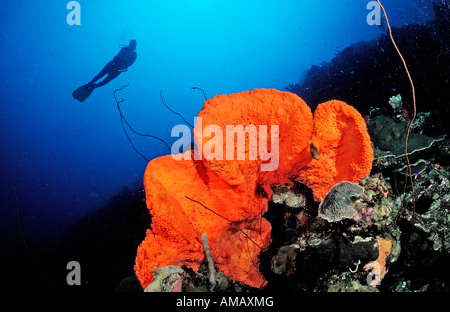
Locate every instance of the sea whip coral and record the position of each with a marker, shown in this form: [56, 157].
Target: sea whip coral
[233, 188]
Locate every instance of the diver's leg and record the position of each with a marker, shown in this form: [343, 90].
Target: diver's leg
[102, 73]
[108, 78]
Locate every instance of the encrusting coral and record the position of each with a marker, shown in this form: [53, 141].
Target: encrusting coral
[227, 198]
[336, 205]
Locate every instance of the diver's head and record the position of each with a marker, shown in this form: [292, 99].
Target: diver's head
[133, 43]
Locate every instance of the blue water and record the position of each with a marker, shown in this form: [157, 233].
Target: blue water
[54, 148]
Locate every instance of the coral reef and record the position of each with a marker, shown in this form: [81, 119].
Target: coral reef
[431, 179]
[301, 227]
[284, 195]
[337, 131]
[396, 103]
[183, 279]
[344, 282]
[432, 195]
[226, 198]
[388, 137]
[341, 249]
[165, 279]
[377, 206]
[178, 223]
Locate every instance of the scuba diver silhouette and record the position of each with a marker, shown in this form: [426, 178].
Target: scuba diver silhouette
[124, 59]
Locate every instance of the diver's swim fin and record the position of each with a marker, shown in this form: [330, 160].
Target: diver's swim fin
[82, 93]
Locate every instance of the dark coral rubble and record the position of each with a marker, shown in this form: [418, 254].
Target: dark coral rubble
[322, 249]
[411, 242]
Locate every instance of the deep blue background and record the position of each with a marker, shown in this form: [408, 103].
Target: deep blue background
[53, 148]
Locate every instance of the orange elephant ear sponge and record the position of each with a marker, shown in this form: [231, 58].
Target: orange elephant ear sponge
[178, 222]
[344, 148]
[269, 108]
[224, 184]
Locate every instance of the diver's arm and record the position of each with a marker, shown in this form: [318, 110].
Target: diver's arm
[133, 58]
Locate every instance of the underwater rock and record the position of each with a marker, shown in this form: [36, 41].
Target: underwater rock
[165, 278]
[432, 196]
[284, 261]
[320, 250]
[199, 282]
[388, 137]
[436, 222]
[419, 268]
[340, 253]
[344, 282]
[396, 102]
[128, 284]
[336, 204]
[376, 207]
[404, 286]
[286, 196]
[183, 279]
[421, 122]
